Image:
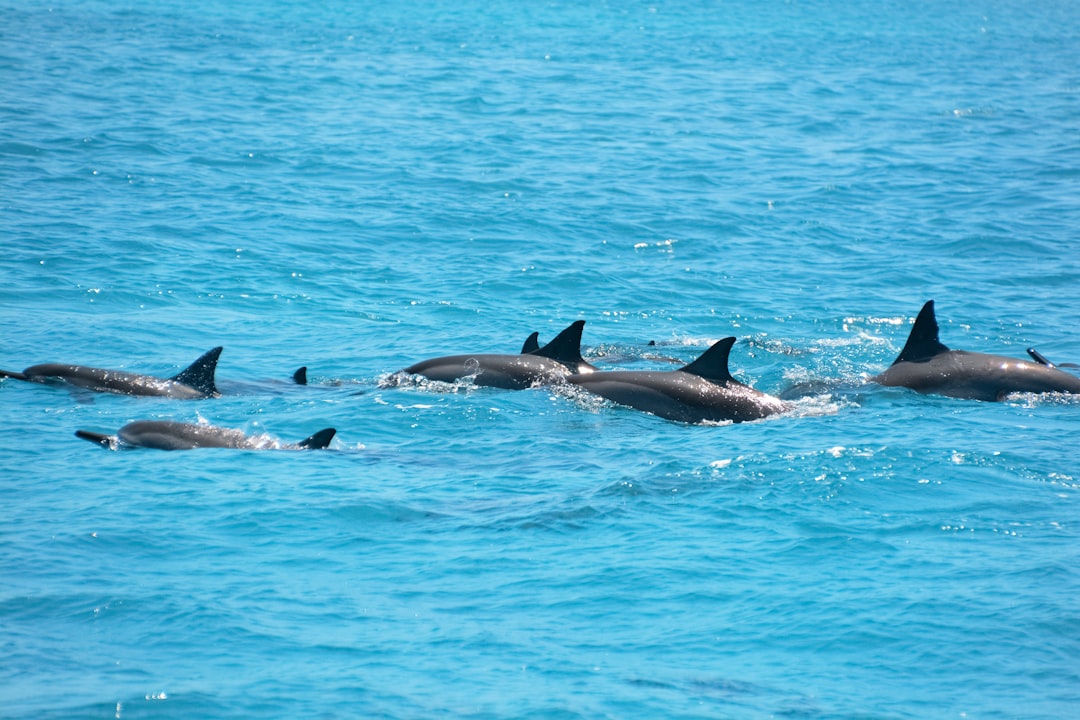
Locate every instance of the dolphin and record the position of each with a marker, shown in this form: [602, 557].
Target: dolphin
[552, 363]
[702, 391]
[927, 366]
[196, 381]
[165, 435]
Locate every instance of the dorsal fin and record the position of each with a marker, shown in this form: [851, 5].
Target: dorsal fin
[922, 344]
[566, 347]
[713, 363]
[319, 440]
[300, 376]
[532, 344]
[200, 374]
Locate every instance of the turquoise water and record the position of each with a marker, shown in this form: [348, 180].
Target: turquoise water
[354, 188]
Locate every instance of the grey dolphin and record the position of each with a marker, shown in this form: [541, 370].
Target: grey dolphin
[927, 366]
[166, 435]
[554, 362]
[194, 382]
[702, 391]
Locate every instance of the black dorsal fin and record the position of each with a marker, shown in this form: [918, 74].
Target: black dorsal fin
[319, 440]
[713, 363]
[532, 344]
[200, 374]
[922, 344]
[566, 347]
[300, 376]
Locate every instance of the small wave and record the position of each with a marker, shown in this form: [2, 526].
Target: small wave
[1034, 400]
[402, 379]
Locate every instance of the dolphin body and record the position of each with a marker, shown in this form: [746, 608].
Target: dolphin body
[927, 366]
[703, 391]
[552, 363]
[165, 435]
[195, 382]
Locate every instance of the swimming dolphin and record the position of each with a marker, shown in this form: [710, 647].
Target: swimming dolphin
[554, 362]
[702, 391]
[927, 366]
[196, 381]
[165, 435]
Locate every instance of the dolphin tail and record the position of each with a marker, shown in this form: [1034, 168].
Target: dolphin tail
[922, 344]
[300, 376]
[532, 344]
[712, 365]
[13, 374]
[566, 347]
[200, 374]
[108, 441]
[319, 440]
[1041, 359]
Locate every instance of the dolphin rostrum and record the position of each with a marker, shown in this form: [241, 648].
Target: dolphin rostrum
[196, 381]
[702, 391]
[554, 362]
[165, 435]
[927, 366]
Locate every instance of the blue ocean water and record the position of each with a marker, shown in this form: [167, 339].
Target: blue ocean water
[357, 186]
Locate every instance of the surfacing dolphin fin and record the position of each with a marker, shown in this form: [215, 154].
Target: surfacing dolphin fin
[713, 363]
[319, 440]
[565, 348]
[300, 376]
[922, 344]
[532, 344]
[200, 374]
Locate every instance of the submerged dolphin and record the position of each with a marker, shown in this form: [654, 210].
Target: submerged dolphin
[554, 362]
[702, 391]
[165, 435]
[196, 381]
[927, 366]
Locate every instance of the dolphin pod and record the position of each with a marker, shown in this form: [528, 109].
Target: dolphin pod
[701, 391]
